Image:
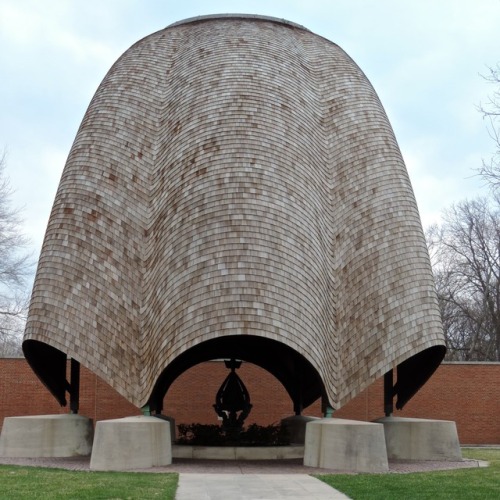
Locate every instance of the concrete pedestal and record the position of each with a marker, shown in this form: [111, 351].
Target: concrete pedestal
[346, 445]
[46, 436]
[131, 443]
[171, 421]
[296, 427]
[421, 439]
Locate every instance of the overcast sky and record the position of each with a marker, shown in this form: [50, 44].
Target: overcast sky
[424, 58]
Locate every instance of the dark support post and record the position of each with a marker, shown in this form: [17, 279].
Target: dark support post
[74, 392]
[298, 405]
[388, 393]
[158, 407]
[155, 405]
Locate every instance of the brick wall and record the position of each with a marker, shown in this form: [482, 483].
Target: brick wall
[21, 393]
[466, 393]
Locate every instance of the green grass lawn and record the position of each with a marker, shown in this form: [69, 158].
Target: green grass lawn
[477, 483]
[34, 482]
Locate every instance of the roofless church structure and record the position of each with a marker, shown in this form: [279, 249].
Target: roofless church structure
[235, 191]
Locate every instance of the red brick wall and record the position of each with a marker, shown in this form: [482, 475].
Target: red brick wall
[22, 393]
[469, 394]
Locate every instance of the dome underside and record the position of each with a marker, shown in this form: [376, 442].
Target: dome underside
[235, 177]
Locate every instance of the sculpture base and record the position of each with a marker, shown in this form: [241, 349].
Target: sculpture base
[345, 445]
[421, 439]
[55, 436]
[131, 443]
[237, 452]
[296, 427]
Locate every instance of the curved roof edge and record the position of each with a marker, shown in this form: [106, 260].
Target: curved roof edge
[237, 16]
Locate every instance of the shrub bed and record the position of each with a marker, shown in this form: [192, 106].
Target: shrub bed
[216, 435]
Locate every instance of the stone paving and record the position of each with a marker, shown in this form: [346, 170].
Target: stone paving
[291, 466]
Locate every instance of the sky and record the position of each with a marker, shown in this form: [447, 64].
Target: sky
[425, 59]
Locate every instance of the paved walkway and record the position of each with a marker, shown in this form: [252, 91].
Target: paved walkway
[254, 486]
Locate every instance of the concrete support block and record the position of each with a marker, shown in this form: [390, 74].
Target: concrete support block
[296, 427]
[171, 421]
[131, 443]
[421, 439]
[346, 445]
[46, 436]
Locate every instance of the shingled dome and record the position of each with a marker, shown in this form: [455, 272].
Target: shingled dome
[235, 190]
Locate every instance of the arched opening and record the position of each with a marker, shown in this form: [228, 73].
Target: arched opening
[200, 383]
[297, 375]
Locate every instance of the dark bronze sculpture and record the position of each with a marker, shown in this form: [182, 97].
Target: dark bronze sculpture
[232, 402]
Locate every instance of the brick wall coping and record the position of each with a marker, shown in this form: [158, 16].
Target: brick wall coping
[237, 16]
[471, 363]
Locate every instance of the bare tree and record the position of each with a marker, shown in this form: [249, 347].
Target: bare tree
[490, 170]
[15, 267]
[465, 254]
[465, 250]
